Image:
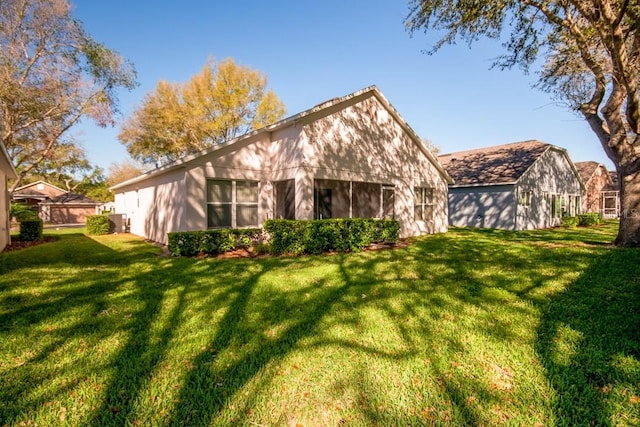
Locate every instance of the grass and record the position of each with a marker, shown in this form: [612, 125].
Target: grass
[473, 327]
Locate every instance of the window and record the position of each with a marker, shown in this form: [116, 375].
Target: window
[525, 198]
[232, 204]
[574, 203]
[423, 206]
[246, 204]
[557, 206]
[285, 199]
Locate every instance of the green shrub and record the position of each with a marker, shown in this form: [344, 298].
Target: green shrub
[30, 230]
[317, 236]
[589, 219]
[386, 231]
[22, 212]
[98, 224]
[569, 221]
[211, 242]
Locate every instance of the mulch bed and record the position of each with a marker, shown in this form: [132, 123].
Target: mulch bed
[20, 244]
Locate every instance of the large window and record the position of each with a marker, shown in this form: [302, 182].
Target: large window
[232, 204]
[423, 206]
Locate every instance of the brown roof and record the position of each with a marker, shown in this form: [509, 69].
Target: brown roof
[501, 164]
[72, 199]
[587, 169]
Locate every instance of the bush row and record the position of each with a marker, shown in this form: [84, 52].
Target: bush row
[317, 236]
[589, 219]
[212, 242]
[583, 220]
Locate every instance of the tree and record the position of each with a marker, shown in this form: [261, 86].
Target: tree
[122, 171]
[52, 74]
[223, 101]
[590, 52]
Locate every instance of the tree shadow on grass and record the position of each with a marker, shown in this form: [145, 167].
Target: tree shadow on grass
[589, 343]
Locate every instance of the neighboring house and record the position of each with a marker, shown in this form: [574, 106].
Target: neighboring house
[519, 186]
[601, 191]
[68, 208]
[36, 192]
[348, 157]
[55, 205]
[7, 172]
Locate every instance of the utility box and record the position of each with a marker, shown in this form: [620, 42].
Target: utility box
[117, 223]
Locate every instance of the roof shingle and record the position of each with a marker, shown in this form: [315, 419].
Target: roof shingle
[500, 164]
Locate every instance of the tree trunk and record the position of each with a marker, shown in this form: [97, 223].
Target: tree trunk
[629, 231]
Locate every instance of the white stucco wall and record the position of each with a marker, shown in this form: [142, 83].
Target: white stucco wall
[4, 211]
[358, 142]
[364, 143]
[156, 206]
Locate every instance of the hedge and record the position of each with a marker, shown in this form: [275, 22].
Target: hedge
[317, 236]
[590, 218]
[97, 224]
[212, 242]
[569, 221]
[30, 230]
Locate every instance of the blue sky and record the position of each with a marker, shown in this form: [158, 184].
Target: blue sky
[315, 51]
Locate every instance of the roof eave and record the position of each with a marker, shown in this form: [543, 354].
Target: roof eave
[496, 184]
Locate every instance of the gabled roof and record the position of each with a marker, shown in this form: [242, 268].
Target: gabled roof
[71, 199]
[588, 168]
[318, 110]
[497, 165]
[25, 188]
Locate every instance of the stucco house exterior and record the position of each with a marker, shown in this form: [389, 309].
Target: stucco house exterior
[353, 156]
[7, 172]
[601, 192]
[519, 186]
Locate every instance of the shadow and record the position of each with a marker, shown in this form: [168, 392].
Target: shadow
[431, 333]
[589, 342]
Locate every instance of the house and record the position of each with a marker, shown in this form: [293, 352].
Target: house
[519, 186]
[34, 193]
[601, 191]
[55, 205]
[68, 208]
[7, 172]
[353, 156]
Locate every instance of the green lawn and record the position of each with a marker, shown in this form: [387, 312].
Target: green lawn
[473, 327]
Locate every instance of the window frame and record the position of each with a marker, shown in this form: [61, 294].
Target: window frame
[233, 204]
[423, 198]
[525, 198]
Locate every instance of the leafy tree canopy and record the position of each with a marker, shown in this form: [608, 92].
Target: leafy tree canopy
[122, 171]
[223, 101]
[590, 56]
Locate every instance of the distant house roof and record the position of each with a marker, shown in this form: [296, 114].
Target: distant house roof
[587, 169]
[71, 199]
[615, 185]
[500, 164]
[28, 187]
[30, 193]
[320, 109]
